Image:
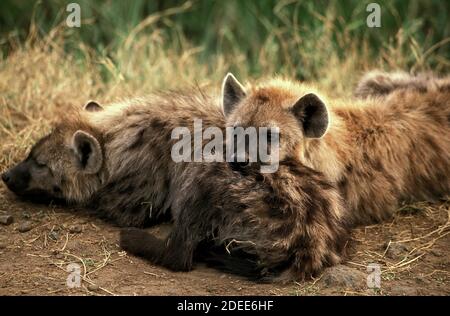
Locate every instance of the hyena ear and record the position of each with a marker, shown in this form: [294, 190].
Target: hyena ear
[92, 106]
[87, 151]
[313, 115]
[232, 93]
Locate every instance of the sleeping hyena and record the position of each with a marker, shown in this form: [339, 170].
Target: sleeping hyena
[287, 224]
[379, 151]
[115, 160]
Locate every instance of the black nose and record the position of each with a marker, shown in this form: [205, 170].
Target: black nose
[238, 166]
[6, 177]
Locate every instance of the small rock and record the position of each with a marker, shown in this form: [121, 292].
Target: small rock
[93, 287]
[59, 256]
[53, 235]
[396, 250]
[345, 277]
[2, 245]
[26, 215]
[25, 227]
[75, 229]
[6, 219]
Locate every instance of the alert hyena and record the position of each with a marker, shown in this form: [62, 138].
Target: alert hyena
[378, 151]
[117, 159]
[288, 224]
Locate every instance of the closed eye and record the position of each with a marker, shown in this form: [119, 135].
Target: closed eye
[40, 165]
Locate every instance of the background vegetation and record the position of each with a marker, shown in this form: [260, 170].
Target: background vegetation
[297, 38]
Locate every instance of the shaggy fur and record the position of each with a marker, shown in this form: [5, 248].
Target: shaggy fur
[137, 179]
[288, 225]
[377, 83]
[379, 151]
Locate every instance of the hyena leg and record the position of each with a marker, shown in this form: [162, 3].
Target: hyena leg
[377, 83]
[175, 252]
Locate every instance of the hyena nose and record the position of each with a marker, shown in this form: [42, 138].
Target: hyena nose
[6, 177]
[238, 165]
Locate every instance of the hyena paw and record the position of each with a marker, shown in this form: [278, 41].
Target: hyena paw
[132, 239]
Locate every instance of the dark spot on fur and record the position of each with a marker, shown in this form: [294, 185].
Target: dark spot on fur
[432, 143]
[343, 187]
[138, 141]
[349, 168]
[444, 88]
[157, 124]
[421, 89]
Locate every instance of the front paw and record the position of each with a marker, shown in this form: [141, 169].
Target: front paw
[133, 240]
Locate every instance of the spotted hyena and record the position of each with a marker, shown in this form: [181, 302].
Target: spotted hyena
[287, 224]
[115, 159]
[379, 150]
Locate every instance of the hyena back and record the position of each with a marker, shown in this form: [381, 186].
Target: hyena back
[379, 84]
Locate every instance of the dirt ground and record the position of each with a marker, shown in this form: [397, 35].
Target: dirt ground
[412, 251]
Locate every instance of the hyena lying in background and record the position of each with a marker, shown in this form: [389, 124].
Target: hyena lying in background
[378, 151]
[115, 160]
[378, 83]
[289, 224]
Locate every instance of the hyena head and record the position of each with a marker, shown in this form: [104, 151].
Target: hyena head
[64, 165]
[276, 107]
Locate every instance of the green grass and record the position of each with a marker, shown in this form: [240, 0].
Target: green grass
[301, 39]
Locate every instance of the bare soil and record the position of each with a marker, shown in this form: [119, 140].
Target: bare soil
[412, 251]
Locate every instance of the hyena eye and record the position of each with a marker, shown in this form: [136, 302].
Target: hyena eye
[40, 164]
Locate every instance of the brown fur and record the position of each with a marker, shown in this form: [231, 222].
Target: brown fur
[138, 179]
[378, 83]
[379, 151]
[287, 225]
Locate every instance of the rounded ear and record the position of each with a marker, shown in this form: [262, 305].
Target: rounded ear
[313, 115]
[92, 106]
[232, 93]
[87, 151]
